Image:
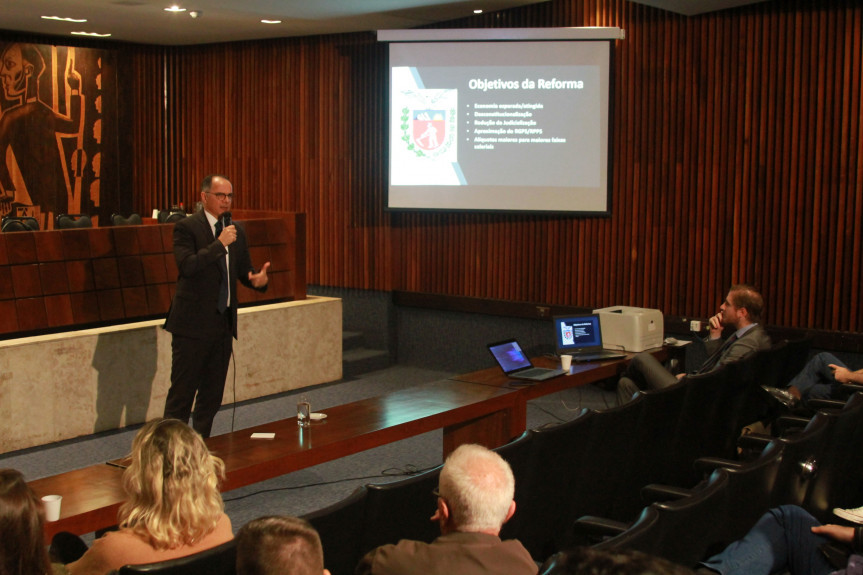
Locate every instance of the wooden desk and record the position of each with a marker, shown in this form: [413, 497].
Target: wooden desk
[579, 374]
[92, 496]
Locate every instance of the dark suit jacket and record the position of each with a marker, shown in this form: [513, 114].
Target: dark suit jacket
[452, 554]
[194, 310]
[753, 340]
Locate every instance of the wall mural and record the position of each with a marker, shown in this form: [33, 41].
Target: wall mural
[51, 123]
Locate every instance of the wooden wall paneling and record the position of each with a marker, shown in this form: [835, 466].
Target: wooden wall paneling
[854, 71]
[735, 156]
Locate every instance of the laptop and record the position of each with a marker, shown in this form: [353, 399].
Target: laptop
[514, 363]
[581, 337]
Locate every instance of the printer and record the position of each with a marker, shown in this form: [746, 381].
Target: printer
[630, 328]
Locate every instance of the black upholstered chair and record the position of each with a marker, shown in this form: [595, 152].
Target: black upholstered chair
[220, 560]
[400, 510]
[170, 216]
[684, 531]
[651, 458]
[19, 224]
[839, 482]
[781, 475]
[132, 220]
[710, 419]
[556, 456]
[796, 356]
[341, 527]
[72, 221]
[517, 454]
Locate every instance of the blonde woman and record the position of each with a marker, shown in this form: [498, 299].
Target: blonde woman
[173, 506]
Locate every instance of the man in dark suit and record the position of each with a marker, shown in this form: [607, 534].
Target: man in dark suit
[211, 254]
[474, 500]
[741, 311]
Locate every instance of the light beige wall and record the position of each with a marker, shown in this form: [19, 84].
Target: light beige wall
[61, 386]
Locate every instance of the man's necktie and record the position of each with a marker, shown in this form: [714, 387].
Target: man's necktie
[223, 286]
[717, 355]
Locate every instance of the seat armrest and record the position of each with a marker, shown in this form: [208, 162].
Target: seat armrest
[786, 424]
[658, 493]
[847, 389]
[596, 528]
[706, 465]
[825, 404]
[753, 441]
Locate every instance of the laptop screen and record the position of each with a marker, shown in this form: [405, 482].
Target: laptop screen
[575, 334]
[509, 355]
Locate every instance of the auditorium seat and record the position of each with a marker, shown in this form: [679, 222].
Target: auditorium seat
[684, 531]
[220, 560]
[839, 482]
[400, 510]
[517, 454]
[651, 458]
[556, 456]
[132, 220]
[710, 420]
[577, 468]
[19, 224]
[606, 471]
[796, 356]
[73, 221]
[340, 526]
[781, 475]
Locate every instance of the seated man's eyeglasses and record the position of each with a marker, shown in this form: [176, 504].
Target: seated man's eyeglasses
[220, 196]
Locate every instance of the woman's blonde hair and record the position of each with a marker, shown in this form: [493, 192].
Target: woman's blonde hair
[172, 486]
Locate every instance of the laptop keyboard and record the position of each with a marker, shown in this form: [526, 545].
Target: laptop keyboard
[534, 371]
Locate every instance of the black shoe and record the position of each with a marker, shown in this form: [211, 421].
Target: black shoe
[783, 396]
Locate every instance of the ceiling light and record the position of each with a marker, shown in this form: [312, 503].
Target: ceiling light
[61, 19]
[271, 21]
[477, 11]
[94, 34]
[175, 8]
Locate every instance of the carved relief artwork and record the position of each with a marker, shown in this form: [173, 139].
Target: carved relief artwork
[50, 131]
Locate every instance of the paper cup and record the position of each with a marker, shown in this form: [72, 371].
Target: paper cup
[52, 507]
[565, 362]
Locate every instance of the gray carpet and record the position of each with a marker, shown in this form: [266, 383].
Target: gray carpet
[309, 489]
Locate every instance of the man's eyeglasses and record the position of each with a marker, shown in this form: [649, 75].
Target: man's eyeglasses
[221, 197]
[436, 492]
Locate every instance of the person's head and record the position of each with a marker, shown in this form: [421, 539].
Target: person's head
[476, 491]
[742, 306]
[172, 485]
[279, 545]
[217, 194]
[20, 67]
[22, 545]
[590, 561]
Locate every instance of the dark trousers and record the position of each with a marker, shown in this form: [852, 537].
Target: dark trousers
[198, 366]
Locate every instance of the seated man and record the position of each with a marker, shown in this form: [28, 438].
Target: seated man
[279, 546]
[474, 500]
[820, 378]
[741, 310]
[789, 539]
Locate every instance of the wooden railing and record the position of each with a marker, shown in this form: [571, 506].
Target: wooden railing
[62, 280]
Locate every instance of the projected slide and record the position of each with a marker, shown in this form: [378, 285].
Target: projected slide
[499, 126]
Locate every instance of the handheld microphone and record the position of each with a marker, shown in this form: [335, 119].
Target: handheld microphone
[226, 219]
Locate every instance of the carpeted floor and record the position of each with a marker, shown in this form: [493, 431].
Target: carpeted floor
[309, 489]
